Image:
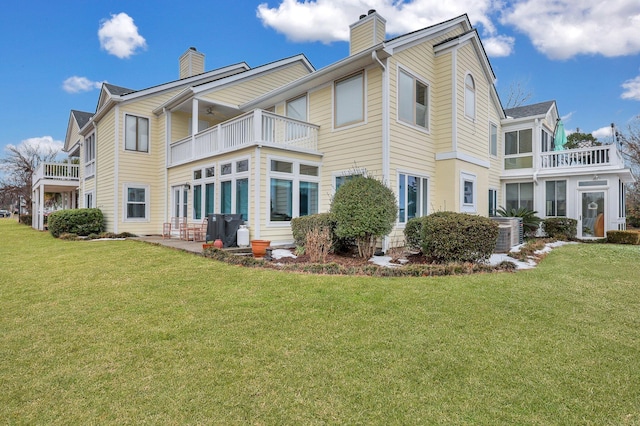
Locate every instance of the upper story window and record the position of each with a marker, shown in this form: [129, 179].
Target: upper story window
[349, 100]
[136, 133]
[517, 149]
[90, 156]
[493, 140]
[545, 140]
[297, 108]
[413, 100]
[469, 97]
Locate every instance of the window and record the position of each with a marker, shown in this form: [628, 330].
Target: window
[469, 97]
[493, 203]
[88, 200]
[136, 202]
[517, 149]
[519, 195]
[556, 198]
[197, 201]
[349, 100]
[413, 100]
[412, 197]
[468, 193]
[90, 156]
[297, 108]
[136, 134]
[234, 190]
[493, 139]
[341, 180]
[203, 192]
[546, 146]
[294, 189]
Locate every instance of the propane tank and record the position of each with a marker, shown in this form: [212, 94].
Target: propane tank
[243, 236]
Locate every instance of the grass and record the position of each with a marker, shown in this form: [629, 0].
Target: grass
[122, 332]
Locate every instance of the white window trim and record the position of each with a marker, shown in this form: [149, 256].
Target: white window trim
[124, 133]
[555, 200]
[495, 193]
[475, 96]
[233, 177]
[125, 201]
[491, 154]
[93, 197]
[203, 181]
[343, 173]
[295, 177]
[364, 102]
[415, 76]
[401, 225]
[90, 164]
[468, 207]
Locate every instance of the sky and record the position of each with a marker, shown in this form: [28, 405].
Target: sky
[54, 55]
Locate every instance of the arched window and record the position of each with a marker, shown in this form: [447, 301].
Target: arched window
[469, 97]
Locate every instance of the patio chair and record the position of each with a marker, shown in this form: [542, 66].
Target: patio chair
[201, 231]
[166, 230]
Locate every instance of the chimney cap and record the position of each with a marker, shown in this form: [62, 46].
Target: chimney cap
[363, 16]
[193, 48]
[371, 11]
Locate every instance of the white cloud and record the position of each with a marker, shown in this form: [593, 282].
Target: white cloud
[328, 20]
[499, 46]
[77, 84]
[602, 132]
[119, 36]
[561, 29]
[44, 143]
[631, 89]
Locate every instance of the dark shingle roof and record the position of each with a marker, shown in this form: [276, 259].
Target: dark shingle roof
[529, 110]
[82, 117]
[117, 90]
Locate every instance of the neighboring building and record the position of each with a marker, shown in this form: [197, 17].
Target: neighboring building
[419, 111]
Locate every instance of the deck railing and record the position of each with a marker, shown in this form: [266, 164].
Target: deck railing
[255, 127]
[605, 155]
[56, 171]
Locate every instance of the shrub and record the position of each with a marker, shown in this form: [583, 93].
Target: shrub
[364, 209]
[633, 216]
[458, 237]
[561, 228]
[26, 219]
[530, 221]
[301, 226]
[623, 237]
[413, 233]
[318, 244]
[82, 222]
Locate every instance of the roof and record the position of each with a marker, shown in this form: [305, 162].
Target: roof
[529, 110]
[117, 90]
[81, 117]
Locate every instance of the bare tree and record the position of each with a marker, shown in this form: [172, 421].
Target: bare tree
[629, 141]
[18, 168]
[517, 94]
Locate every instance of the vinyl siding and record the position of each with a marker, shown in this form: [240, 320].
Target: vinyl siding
[105, 168]
[362, 37]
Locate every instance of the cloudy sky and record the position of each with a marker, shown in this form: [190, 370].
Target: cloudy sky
[585, 54]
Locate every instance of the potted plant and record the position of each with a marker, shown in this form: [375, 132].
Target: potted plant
[259, 247]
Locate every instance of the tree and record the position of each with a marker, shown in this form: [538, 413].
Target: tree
[630, 147]
[578, 140]
[517, 94]
[18, 168]
[364, 209]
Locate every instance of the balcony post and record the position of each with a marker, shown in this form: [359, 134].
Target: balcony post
[194, 126]
[257, 125]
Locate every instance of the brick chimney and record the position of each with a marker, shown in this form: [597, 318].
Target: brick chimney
[368, 31]
[191, 63]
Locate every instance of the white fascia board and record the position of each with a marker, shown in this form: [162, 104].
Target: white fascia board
[322, 76]
[419, 36]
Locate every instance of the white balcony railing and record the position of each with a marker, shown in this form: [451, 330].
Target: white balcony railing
[254, 127]
[605, 155]
[56, 171]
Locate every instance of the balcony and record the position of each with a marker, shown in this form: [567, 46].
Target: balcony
[257, 127]
[605, 156]
[56, 172]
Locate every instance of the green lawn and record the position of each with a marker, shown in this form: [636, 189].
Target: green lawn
[122, 332]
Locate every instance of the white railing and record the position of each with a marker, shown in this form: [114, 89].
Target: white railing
[605, 155]
[56, 171]
[242, 131]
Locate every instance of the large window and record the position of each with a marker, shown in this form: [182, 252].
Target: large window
[412, 197]
[556, 198]
[349, 100]
[136, 202]
[293, 189]
[413, 100]
[469, 97]
[136, 133]
[519, 195]
[234, 188]
[493, 139]
[90, 156]
[203, 192]
[517, 149]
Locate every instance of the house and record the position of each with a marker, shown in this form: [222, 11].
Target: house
[587, 183]
[419, 111]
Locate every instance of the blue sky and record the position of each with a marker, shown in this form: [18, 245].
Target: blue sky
[585, 54]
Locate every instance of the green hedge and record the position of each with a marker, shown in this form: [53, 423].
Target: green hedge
[413, 233]
[458, 237]
[81, 222]
[561, 228]
[623, 237]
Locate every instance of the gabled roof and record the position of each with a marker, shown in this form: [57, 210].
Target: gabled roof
[117, 90]
[533, 110]
[81, 118]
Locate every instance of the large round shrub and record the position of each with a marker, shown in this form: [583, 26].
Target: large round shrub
[364, 209]
[458, 237]
[76, 221]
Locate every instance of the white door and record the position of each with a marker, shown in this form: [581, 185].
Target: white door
[591, 223]
[180, 198]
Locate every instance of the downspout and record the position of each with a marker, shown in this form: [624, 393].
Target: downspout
[116, 169]
[167, 130]
[386, 145]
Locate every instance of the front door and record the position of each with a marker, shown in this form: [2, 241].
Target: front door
[592, 215]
